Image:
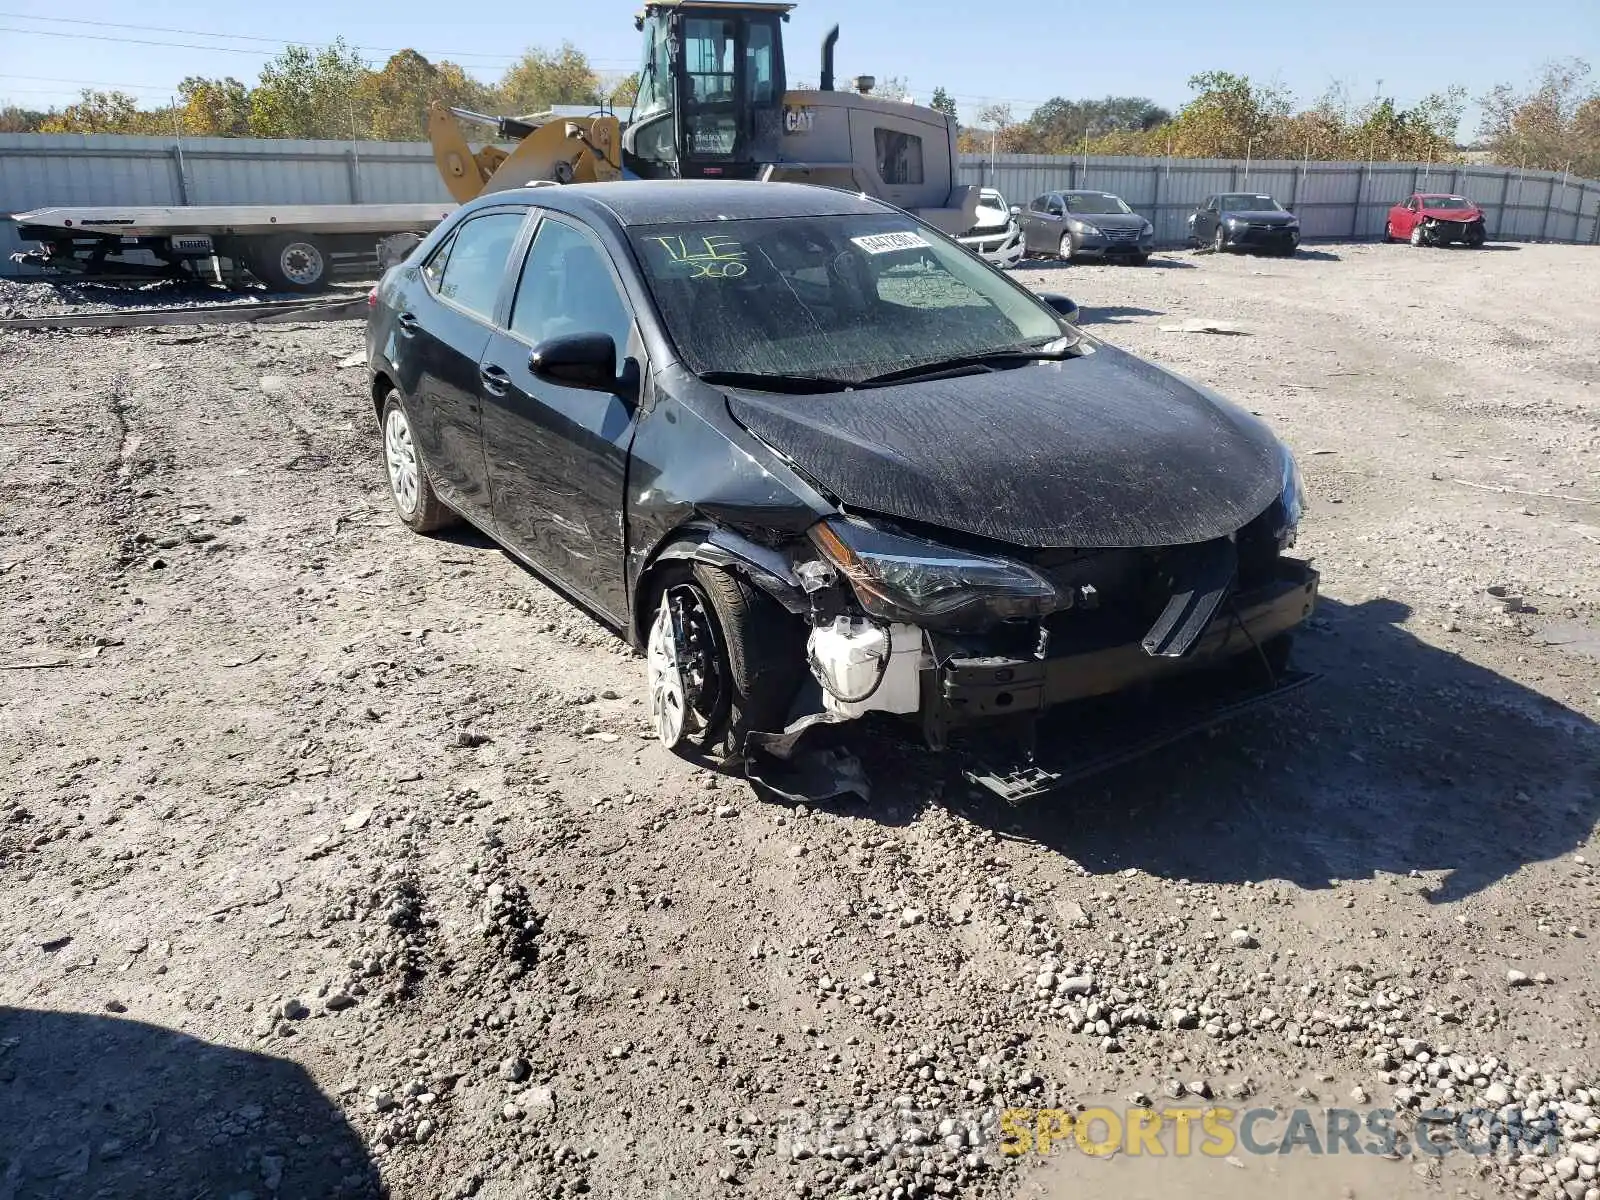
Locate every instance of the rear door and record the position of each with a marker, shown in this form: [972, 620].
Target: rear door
[447, 324]
[1031, 218]
[557, 456]
[1052, 223]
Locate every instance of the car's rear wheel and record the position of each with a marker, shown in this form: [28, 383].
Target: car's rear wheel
[722, 658]
[1388, 232]
[410, 487]
[1219, 240]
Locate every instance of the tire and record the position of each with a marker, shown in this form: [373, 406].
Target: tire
[1219, 240]
[409, 485]
[291, 262]
[1067, 251]
[1418, 237]
[757, 651]
[1388, 233]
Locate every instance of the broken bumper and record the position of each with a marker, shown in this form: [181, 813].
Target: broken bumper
[972, 689]
[1003, 249]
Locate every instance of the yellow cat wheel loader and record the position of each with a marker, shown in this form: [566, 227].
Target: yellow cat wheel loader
[714, 102]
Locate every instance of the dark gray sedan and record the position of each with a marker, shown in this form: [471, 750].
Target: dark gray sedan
[1244, 221]
[1075, 225]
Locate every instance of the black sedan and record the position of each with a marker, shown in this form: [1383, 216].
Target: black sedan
[817, 461]
[1244, 221]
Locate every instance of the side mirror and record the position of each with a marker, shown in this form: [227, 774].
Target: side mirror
[579, 360]
[1064, 306]
[1016, 210]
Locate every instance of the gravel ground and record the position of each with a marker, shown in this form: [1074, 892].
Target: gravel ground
[338, 860]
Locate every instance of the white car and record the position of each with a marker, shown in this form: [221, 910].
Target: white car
[997, 235]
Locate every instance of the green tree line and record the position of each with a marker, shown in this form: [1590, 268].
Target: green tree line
[1553, 123]
[333, 93]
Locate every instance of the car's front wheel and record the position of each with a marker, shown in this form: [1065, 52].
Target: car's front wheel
[722, 658]
[1067, 251]
[1418, 236]
[410, 487]
[1219, 240]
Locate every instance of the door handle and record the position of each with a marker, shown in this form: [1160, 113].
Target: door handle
[408, 323]
[495, 381]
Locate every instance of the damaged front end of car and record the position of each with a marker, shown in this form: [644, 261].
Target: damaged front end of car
[1020, 658]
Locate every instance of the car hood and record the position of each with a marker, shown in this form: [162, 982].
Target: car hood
[1094, 452]
[1266, 216]
[1452, 214]
[1109, 220]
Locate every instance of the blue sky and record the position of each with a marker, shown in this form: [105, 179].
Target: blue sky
[966, 46]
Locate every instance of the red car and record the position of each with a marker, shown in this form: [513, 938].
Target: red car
[1430, 220]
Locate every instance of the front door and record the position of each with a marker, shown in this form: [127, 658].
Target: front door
[557, 456]
[1405, 218]
[446, 327]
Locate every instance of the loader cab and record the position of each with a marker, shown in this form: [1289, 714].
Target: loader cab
[711, 87]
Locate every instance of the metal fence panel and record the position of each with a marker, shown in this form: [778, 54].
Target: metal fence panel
[1334, 200]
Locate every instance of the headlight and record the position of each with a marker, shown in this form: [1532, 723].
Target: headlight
[1083, 227]
[1293, 499]
[1293, 224]
[1146, 229]
[908, 579]
[1232, 222]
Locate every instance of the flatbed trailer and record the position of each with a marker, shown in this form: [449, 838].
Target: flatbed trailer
[288, 247]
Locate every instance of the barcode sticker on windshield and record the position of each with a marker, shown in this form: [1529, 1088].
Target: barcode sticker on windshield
[882, 243]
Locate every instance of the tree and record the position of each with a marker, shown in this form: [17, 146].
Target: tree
[943, 102]
[307, 95]
[214, 107]
[22, 120]
[625, 91]
[1060, 126]
[541, 79]
[108, 112]
[1555, 124]
[396, 99]
[1231, 117]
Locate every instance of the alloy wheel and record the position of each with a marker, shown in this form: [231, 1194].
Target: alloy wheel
[683, 669]
[400, 456]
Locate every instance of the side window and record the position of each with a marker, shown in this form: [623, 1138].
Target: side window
[1038, 204]
[1053, 206]
[479, 254]
[1211, 204]
[899, 156]
[1412, 204]
[567, 287]
[433, 270]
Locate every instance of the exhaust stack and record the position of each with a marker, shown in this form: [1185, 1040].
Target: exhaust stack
[826, 82]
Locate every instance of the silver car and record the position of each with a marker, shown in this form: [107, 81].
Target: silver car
[995, 236]
[1080, 224]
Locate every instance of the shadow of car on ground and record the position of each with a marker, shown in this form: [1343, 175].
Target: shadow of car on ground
[1402, 757]
[103, 1106]
[1114, 314]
